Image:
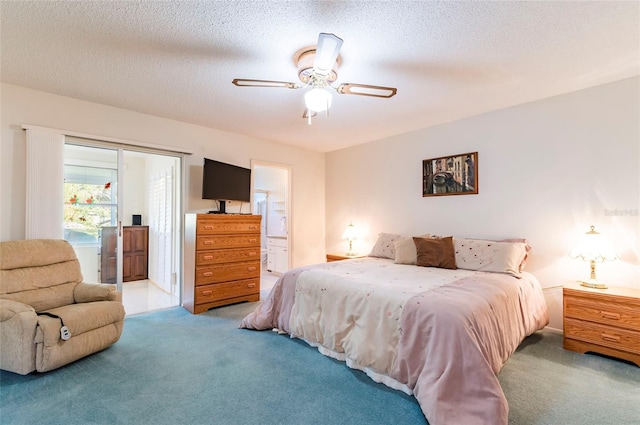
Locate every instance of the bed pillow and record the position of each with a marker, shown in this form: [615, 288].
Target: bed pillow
[385, 247]
[435, 252]
[406, 250]
[527, 248]
[490, 256]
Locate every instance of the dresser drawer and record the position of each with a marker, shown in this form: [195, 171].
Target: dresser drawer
[226, 256]
[226, 272]
[606, 336]
[231, 225]
[221, 291]
[600, 310]
[227, 241]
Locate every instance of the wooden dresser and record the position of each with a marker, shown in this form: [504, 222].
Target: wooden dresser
[605, 321]
[221, 260]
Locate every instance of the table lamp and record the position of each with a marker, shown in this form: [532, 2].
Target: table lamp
[350, 235]
[594, 248]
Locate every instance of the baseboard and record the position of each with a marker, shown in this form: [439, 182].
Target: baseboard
[554, 330]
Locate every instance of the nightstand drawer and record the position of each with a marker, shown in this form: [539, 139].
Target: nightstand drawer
[606, 336]
[602, 311]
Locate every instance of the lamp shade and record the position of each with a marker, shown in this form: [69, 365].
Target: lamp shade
[592, 246]
[350, 233]
[317, 99]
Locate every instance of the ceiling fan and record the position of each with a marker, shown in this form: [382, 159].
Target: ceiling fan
[317, 69]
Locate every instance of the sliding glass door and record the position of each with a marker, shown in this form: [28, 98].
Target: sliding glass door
[91, 210]
[122, 215]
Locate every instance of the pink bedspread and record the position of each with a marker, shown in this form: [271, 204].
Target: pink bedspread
[453, 339]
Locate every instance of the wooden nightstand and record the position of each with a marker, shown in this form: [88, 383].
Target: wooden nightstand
[605, 321]
[335, 257]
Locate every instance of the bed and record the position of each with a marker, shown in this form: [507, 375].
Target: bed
[440, 333]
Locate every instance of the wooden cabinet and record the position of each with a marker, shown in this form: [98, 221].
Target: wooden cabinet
[221, 260]
[135, 253]
[605, 321]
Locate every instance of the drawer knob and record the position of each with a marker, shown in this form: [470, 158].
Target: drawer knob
[608, 337]
[208, 227]
[207, 274]
[608, 315]
[252, 254]
[251, 269]
[208, 257]
[251, 285]
[253, 240]
[207, 292]
[253, 227]
[208, 242]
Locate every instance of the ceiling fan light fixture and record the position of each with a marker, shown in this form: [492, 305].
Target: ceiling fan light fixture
[317, 99]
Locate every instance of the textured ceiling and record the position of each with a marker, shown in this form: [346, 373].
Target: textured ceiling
[448, 59]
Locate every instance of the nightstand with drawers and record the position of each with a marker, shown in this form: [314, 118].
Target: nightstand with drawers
[336, 257]
[604, 321]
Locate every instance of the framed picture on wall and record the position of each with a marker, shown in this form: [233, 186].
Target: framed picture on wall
[450, 175]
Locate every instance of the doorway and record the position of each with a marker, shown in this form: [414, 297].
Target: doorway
[122, 216]
[272, 200]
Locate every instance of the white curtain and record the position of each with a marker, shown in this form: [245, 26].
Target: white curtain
[45, 185]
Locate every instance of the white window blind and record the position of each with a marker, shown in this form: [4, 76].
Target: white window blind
[45, 183]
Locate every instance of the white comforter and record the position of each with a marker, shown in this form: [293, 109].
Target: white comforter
[441, 335]
[357, 310]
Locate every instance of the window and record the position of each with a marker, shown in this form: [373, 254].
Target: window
[90, 202]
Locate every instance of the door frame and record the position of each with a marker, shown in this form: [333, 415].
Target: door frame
[289, 201]
[178, 201]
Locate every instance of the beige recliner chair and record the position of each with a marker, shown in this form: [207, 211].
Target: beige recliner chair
[40, 277]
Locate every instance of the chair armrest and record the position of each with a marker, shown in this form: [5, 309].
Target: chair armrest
[90, 292]
[9, 308]
[18, 324]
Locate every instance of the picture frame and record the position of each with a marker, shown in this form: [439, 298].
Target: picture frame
[450, 175]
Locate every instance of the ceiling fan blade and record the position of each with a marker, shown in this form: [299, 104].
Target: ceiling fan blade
[327, 52]
[366, 90]
[264, 83]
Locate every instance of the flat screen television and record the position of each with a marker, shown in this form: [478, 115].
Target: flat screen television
[225, 182]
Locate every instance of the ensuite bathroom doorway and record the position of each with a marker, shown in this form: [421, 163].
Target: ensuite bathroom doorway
[272, 200]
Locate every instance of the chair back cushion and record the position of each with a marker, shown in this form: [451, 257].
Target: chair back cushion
[39, 272]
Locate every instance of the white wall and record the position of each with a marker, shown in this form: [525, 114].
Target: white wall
[20, 105]
[547, 171]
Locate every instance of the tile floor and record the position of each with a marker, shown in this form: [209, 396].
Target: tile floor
[143, 295]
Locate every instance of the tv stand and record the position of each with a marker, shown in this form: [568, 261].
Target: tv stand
[222, 208]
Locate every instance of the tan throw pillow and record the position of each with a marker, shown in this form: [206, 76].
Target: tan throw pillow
[435, 252]
[406, 250]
